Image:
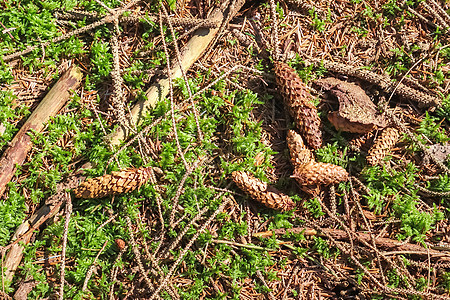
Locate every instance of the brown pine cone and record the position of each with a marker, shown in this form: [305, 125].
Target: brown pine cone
[300, 155]
[118, 182]
[383, 145]
[317, 173]
[299, 102]
[262, 192]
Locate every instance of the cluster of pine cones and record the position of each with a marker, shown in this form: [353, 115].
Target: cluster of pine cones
[307, 171]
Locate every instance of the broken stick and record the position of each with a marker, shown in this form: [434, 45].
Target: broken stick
[21, 144]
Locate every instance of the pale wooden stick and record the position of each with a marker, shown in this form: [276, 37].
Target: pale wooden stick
[191, 52]
[21, 144]
[15, 254]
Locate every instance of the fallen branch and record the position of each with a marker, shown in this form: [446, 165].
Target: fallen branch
[49, 106]
[383, 81]
[383, 243]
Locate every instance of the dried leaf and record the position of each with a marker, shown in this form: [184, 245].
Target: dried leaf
[262, 192]
[299, 102]
[357, 113]
[118, 182]
[382, 145]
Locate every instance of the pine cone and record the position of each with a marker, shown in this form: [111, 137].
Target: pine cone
[316, 173]
[382, 145]
[117, 183]
[298, 100]
[300, 155]
[262, 192]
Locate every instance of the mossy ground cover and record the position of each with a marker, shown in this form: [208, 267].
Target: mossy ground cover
[180, 238]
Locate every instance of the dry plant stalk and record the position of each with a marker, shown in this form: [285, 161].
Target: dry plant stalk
[318, 173]
[117, 182]
[300, 155]
[383, 145]
[262, 192]
[299, 102]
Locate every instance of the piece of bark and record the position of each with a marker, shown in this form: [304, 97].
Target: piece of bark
[357, 113]
[21, 144]
[25, 230]
[383, 81]
[24, 289]
[191, 52]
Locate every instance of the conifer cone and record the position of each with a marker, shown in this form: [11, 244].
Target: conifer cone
[300, 155]
[262, 192]
[118, 182]
[382, 145]
[317, 173]
[299, 102]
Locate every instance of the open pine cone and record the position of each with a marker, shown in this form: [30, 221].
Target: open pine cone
[300, 155]
[383, 145]
[262, 192]
[317, 173]
[118, 182]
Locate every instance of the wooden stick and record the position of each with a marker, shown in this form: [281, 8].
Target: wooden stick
[14, 256]
[21, 144]
[190, 53]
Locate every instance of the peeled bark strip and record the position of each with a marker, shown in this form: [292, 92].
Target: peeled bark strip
[49, 107]
[299, 103]
[262, 192]
[191, 52]
[117, 183]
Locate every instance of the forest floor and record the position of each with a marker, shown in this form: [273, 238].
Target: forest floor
[190, 232]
